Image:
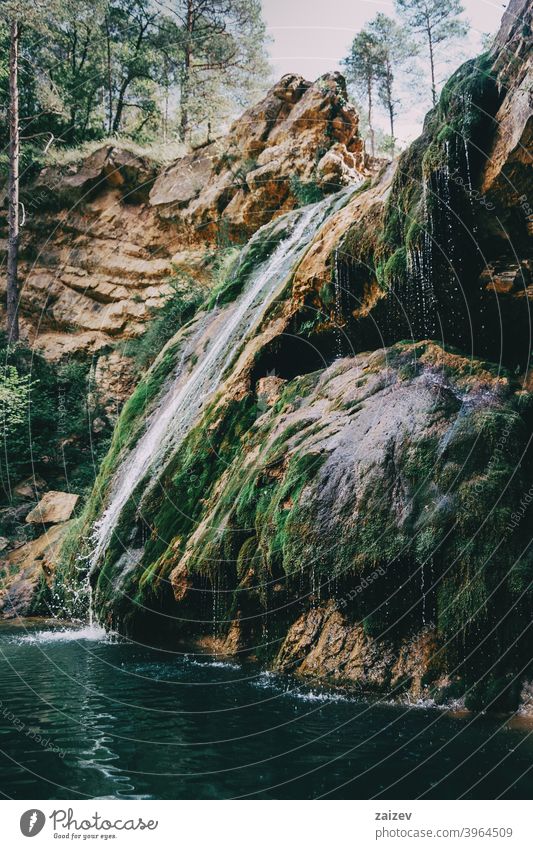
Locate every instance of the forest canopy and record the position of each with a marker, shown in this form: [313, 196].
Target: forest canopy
[144, 69]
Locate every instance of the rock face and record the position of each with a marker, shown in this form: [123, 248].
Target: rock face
[27, 574]
[54, 507]
[361, 517]
[507, 169]
[440, 245]
[105, 234]
[324, 643]
[301, 135]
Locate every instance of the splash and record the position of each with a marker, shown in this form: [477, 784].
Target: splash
[90, 633]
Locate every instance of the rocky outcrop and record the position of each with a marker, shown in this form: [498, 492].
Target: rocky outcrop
[27, 574]
[357, 514]
[441, 244]
[506, 173]
[324, 643]
[105, 234]
[301, 136]
[53, 508]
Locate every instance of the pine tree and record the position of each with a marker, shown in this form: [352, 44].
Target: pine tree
[13, 184]
[363, 68]
[436, 22]
[221, 45]
[394, 47]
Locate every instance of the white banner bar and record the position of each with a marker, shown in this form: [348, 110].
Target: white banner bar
[268, 825]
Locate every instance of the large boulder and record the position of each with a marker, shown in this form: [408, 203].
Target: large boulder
[302, 136]
[54, 507]
[26, 575]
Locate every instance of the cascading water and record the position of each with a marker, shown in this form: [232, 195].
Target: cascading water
[188, 394]
[420, 304]
[337, 283]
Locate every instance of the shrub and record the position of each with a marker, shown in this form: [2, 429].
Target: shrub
[305, 192]
[45, 423]
[186, 297]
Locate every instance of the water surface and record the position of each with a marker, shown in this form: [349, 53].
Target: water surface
[84, 715]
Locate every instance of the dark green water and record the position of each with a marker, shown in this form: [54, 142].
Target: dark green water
[132, 722]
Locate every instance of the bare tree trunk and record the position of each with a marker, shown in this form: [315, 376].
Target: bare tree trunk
[370, 125]
[185, 77]
[109, 79]
[390, 105]
[13, 213]
[120, 105]
[432, 63]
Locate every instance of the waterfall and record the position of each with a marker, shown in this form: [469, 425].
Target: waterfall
[470, 188]
[337, 283]
[421, 303]
[189, 393]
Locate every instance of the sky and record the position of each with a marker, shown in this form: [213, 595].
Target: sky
[309, 37]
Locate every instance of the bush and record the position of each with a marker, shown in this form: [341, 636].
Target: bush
[45, 422]
[305, 192]
[186, 297]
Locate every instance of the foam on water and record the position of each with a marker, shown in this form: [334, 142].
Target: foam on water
[213, 664]
[92, 633]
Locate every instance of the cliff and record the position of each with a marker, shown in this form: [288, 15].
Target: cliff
[106, 232]
[328, 467]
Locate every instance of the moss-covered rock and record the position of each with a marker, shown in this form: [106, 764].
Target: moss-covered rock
[405, 463]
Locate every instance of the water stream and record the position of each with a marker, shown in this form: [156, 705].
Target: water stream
[188, 394]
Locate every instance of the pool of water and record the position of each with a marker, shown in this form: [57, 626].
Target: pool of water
[83, 715]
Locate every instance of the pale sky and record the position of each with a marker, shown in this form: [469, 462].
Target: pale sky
[309, 37]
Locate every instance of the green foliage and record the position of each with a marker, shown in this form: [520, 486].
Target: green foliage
[186, 296]
[235, 268]
[96, 68]
[305, 192]
[46, 421]
[395, 269]
[15, 392]
[395, 48]
[436, 23]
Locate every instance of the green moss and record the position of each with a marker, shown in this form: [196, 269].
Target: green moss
[186, 297]
[239, 271]
[395, 270]
[41, 603]
[305, 192]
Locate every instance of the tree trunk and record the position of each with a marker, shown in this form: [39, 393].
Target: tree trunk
[120, 105]
[13, 189]
[109, 79]
[370, 126]
[390, 105]
[432, 64]
[185, 77]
